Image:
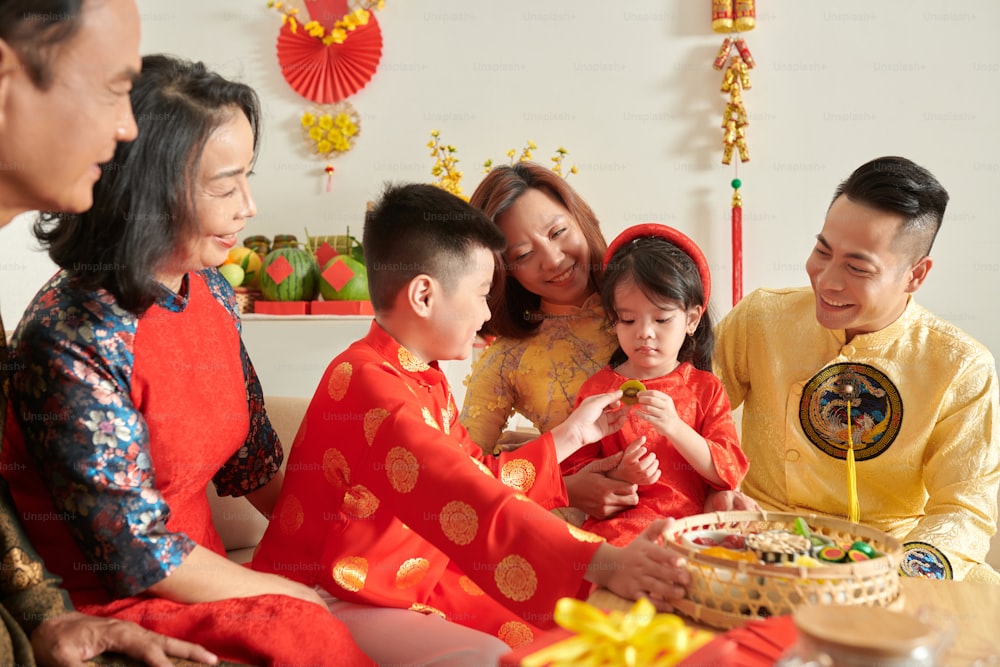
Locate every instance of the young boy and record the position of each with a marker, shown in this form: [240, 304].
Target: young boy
[387, 501]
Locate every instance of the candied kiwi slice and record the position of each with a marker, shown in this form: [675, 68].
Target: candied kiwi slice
[631, 389]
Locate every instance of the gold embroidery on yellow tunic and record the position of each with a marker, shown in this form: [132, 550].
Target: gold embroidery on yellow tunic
[516, 578]
[459, 522]
[350, 573]
[339, 382]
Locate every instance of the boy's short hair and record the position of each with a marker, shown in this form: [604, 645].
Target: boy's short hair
[418, 229]
[896, 185]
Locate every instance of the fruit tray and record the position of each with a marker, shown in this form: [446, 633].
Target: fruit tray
[726, 593]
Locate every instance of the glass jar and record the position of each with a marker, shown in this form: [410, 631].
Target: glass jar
[855, 636]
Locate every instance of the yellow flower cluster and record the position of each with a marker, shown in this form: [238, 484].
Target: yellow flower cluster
[339, 32]
[445, 166]
[527, 155]
[330, 132]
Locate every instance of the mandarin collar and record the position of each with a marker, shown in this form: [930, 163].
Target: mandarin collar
[175, 301]
[401, 358]
[591, 304]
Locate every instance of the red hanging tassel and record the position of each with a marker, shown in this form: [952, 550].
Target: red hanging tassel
[737, 242]
[329, 176]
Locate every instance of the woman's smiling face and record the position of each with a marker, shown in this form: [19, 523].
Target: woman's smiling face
[546, 250]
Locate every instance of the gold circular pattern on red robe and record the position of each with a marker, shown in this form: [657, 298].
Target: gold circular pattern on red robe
[374, 419]
[583, 535]
[459, 522]
[470, 587]
[410, 362]
[518, 474]
[350, 573]
[427, 609]
[516, 578]
[515, 634]
[335, 468]
[19, 572]
[429, 418]
[401, 466]
[359, 502]
[340, 380]
[412, 572]
[291, 516]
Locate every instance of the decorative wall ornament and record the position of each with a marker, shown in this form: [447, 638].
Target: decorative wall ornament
[735, 16]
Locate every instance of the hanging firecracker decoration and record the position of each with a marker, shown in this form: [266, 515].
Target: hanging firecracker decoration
[735, 16]
[326, 59]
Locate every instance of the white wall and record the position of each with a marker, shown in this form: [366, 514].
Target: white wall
[629, 89]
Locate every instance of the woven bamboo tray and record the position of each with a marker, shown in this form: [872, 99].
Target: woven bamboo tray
[725, 593]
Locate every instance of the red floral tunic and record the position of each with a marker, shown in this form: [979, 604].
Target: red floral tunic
[702, 403]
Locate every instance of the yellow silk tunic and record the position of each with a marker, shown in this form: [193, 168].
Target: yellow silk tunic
[924, 410]
[538, 376]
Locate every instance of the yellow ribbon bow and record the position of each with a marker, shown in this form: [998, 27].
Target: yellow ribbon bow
[637, 638]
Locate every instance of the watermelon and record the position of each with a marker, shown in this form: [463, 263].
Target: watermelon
[289, 274]
[339, 285]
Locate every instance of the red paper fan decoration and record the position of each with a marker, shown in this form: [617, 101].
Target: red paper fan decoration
[328, 74]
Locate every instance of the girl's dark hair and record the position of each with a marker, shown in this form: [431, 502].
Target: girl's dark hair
[511, 305]
[143, 203]
[664, 273]
[34, 28]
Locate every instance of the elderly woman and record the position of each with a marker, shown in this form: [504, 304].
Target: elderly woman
[132, 389]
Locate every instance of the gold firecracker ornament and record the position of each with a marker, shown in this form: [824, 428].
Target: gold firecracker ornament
[722, 15]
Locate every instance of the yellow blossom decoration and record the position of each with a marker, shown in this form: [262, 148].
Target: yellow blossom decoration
[331, 129]
[449, 178]
[445, 168]
[340, 30]
[527, 155]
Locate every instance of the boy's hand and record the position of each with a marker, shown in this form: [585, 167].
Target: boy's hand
[597, 416]
[638, 466]
[643, 568]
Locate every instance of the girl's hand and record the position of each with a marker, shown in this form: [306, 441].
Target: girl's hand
[658, 409]
[638, 466]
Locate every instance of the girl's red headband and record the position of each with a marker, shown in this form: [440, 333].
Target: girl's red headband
[670, 234]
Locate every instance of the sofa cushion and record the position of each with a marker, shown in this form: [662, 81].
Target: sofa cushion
[238, 523]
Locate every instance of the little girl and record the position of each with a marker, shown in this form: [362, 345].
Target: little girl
[679, 441]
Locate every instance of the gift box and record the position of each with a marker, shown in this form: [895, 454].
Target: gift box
[587, 635]
[341, 308]
[281, 307]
